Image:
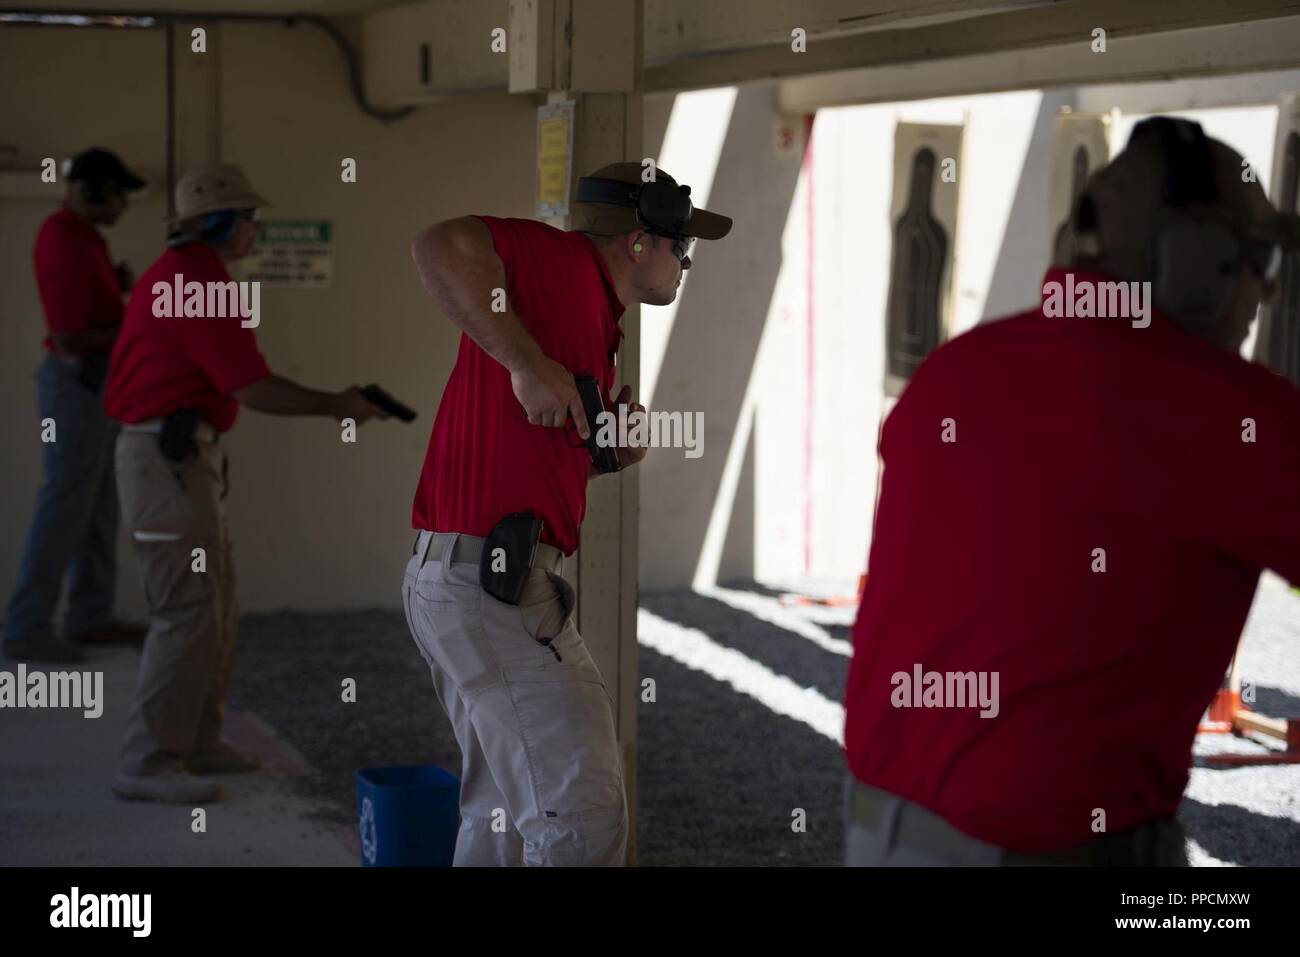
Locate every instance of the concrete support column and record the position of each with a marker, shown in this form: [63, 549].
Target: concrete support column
[194, 101]
[589, 51]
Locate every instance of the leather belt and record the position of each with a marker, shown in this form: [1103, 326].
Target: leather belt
[204, 432]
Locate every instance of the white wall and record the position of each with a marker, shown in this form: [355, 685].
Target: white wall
[1001, 253]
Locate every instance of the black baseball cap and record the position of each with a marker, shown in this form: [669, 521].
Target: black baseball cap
[102, 166]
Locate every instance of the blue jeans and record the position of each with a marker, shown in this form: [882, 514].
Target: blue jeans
[74, 527]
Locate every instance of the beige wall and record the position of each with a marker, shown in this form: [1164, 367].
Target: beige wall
[318, 524]
[82, 88]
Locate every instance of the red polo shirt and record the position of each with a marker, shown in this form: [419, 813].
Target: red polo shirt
[162, 364]
[75, 277]
[1071, 435]
[485, 460]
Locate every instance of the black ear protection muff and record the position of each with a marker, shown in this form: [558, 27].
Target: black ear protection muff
[661, 207]
[1196, 261]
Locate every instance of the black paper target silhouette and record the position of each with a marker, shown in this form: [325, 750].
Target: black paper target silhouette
[1278, 345]
[1078, 180]
[920, 244]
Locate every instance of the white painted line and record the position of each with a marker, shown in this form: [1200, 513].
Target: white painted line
[1198, 856]
[773, 612]
[699, 652]
[156, 536]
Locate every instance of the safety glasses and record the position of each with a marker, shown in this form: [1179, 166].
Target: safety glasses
[1264, 258]
[681, 245]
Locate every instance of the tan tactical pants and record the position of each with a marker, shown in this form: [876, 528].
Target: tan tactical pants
[172, 510]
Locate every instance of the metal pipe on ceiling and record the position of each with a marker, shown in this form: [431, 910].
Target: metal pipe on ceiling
[156, 19]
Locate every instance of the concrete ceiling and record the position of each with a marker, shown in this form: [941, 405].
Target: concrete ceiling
[671, 25]
[202, 6]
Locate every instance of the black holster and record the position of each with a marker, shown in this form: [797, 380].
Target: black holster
[176, 438]
[91, 371]
[508, 554]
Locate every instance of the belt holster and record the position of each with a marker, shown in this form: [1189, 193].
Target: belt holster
[176, 437]
[91, 371]
[508, 554]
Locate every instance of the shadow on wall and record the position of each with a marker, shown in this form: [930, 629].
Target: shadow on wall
[714, 343]
[1023, 256]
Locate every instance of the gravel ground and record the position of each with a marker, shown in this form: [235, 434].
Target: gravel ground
[1252, 815]
[395, 720]
[721, 776]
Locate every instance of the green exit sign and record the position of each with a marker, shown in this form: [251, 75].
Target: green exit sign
[313, 231]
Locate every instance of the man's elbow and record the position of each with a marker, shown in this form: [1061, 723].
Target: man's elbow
[426, 250]
[427, 241]
[434, 246]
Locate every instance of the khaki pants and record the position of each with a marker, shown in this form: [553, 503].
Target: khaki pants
[541, 772]
[171, 509]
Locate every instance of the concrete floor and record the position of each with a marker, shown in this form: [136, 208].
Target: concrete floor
[56, 807]
[763, 679]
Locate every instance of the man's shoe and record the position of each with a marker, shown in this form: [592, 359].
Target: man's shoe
[115, 633]
[48, 648]
[223, 759]
[167, 787]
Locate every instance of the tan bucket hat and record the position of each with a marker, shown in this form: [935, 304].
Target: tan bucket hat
[211, 188]
[606, 219]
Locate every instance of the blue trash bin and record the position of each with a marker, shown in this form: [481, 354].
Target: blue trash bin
[409, 816]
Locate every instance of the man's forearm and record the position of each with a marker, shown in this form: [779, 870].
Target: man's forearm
[276, 395]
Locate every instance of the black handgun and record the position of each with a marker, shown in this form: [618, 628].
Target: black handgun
[603, 457]
[377, 396]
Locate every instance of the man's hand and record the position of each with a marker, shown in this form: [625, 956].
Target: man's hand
[548, 394]
[352, 404]
[629, 455]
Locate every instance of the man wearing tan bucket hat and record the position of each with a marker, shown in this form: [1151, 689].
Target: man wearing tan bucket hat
[1076, 506]
[502, 496]
[176, 380]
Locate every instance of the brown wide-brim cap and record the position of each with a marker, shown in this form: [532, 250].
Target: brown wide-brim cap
[606, 220]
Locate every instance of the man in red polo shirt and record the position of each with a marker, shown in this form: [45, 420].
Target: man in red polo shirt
[74, 524]
[1076, 505]
[541, 778]
[186, 360]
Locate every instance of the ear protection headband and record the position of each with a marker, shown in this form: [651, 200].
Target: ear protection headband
[661, 207]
